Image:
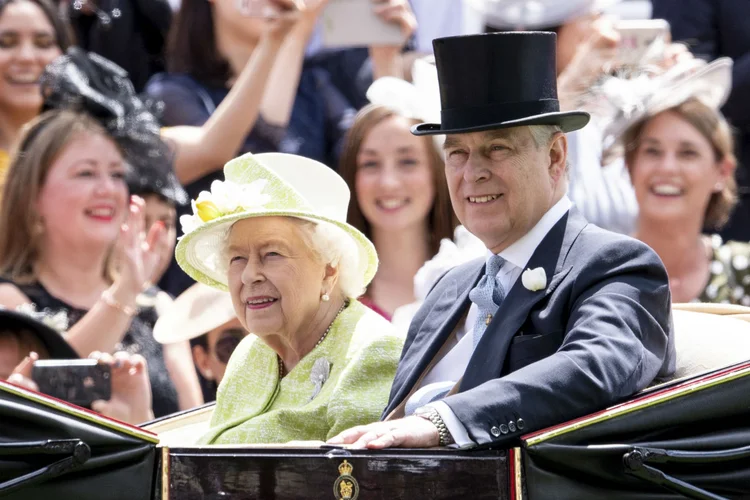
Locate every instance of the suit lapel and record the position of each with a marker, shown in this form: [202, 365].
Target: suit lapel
[513, 312]
[436, 328]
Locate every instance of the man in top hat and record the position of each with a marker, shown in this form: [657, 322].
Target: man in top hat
[561, 318]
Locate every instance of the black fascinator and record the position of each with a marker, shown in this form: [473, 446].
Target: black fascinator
[87, 82]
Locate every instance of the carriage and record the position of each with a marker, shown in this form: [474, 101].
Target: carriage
[687, 438]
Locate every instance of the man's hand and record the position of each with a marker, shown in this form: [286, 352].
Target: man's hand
[409, 432]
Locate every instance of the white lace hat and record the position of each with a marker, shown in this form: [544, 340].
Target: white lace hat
[265, 185]
[623, 102]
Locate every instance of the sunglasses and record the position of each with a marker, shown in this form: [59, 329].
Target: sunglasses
[227, 343]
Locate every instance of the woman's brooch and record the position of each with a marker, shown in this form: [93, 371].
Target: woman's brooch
[318, 375]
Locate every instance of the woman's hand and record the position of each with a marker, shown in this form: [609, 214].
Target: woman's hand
[22, 373]
[130, 401]
[386, 58]
[674, 54]
[138, 254]
[593, 58]
[293, 15]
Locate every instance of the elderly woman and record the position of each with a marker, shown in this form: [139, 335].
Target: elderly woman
[273, 234]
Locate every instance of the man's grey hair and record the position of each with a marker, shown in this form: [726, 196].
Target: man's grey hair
[543, 134]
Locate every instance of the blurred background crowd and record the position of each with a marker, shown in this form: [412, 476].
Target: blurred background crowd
[114, 114]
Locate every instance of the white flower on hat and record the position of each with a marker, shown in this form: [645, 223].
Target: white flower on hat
[225, 198]
[534, 279]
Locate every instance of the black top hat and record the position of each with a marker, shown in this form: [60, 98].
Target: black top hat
[498, 80]
[55, 344]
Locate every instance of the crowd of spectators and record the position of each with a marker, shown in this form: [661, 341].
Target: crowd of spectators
[99, 161]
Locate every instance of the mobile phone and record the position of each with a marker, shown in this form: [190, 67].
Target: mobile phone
[257, 8]
[642, 40]
[77, 381]
[352, 23]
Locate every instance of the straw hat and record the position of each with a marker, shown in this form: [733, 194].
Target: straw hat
[197, 311]
[264, 185]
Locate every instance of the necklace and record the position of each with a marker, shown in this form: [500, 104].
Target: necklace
[282, 371]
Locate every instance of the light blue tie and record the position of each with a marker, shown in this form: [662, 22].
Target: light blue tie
[487, 295]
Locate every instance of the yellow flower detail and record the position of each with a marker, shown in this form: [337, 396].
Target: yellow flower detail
[207, 210]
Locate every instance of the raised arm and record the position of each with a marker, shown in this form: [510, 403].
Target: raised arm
[107, 321]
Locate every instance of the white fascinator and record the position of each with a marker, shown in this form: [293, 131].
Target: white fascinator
[419, 100]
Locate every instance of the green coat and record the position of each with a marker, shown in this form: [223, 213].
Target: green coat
[252, 406]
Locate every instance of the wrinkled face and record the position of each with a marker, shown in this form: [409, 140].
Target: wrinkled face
[159, 210]
[674, 171]
[275, 278]
[85, 198]
[27, 45]
[394, 183]
[228, 17]
[500, 183]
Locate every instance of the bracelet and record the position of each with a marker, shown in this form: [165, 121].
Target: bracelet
[110, 300]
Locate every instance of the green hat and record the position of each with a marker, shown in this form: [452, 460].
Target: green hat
[265, 185]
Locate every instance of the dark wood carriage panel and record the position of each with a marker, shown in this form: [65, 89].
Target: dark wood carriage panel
[291, 474]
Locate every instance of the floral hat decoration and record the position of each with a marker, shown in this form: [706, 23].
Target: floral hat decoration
[265, 185]
[620, 102]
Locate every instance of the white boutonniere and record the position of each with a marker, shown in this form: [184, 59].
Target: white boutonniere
[534, 279]
[319, 374]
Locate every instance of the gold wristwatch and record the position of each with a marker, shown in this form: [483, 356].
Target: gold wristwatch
[431, 414]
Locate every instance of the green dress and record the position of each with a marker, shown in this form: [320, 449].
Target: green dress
[253, 407]
[729, 281]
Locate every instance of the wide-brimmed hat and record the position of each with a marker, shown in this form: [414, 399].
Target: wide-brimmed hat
[265, 185]
[34, 323]
[498, 80]
[197, 311]
[623, 102]
[536, 14]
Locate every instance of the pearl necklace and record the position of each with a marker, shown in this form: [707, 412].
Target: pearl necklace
[282, 372]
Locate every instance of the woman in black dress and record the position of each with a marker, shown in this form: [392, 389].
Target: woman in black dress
[72, 239]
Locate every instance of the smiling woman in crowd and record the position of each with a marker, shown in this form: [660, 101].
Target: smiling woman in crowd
[71, 237]
[680, 154]
[401, 198]
[32, 35]
[274, 235]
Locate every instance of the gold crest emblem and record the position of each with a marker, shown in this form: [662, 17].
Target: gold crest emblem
[346, 487]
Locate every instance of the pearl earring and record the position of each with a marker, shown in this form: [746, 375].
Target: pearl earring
[325, 297]
[718, 187]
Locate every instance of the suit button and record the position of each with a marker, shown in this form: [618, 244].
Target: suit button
[520, 424]
[512, 426]
[495, 431]
[504, 428]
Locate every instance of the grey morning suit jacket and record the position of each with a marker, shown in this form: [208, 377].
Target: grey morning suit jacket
[599, 332]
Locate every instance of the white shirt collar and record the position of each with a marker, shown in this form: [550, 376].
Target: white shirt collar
[520, 252]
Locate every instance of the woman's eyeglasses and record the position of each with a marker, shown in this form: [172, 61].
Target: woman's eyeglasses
[227, 343]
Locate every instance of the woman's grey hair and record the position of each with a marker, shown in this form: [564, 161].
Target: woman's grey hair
[335, 248]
